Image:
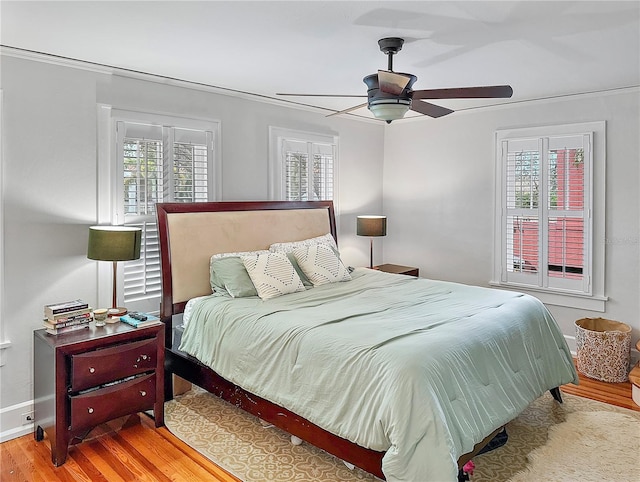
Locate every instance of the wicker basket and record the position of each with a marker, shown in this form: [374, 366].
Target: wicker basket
[603, 348]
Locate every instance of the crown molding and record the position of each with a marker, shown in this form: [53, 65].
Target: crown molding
[172, 81]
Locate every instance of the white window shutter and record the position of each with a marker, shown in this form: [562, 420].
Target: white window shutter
[308, 170]
[157, 164]
[545, 227]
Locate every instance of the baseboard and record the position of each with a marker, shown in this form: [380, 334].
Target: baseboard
[11, 419]
[571, 341]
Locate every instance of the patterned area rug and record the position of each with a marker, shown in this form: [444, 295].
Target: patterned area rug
[253, 452]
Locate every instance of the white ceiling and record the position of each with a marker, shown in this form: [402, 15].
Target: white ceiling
[542, 49]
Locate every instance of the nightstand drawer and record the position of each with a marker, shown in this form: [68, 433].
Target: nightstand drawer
[98, 406]
[96, 367]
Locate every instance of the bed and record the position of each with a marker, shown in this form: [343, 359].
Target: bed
[416, 375]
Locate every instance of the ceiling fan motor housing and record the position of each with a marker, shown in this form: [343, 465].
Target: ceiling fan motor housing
[374, 93]
[376, 97]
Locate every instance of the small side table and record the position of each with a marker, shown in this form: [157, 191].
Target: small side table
[85, 378]
[398, 269]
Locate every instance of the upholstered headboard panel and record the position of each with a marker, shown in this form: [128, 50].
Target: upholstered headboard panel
[191, 233]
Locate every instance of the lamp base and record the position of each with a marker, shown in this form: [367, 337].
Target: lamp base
[117, 311]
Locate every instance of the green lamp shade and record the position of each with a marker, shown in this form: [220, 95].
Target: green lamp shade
[114, 243]
[371, 226]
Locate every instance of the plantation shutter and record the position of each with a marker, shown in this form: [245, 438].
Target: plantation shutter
[323, 155]
[308, 170]
[296, 170]
[522, 166]
[568, 229]
[159, 164]
[546, 222]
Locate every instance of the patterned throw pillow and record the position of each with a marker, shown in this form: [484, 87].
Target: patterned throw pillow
[321, 265]
[272, 274]
[293, 245]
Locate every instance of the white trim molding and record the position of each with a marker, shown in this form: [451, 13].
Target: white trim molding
[3, 343]
[587, 292]
[11, 425]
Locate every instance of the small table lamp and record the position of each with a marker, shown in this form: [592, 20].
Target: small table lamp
[371, 226]
[114, 243]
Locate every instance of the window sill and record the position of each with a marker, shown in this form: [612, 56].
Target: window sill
[3, 345]
[559, 298]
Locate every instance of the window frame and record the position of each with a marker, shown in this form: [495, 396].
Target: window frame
[590, 296]
[4, 343]
[277, 135]
[110, 188]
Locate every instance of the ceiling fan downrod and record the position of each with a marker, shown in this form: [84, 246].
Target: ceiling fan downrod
[390, 46]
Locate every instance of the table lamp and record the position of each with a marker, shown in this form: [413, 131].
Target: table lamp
[114, 243]
[371, 226]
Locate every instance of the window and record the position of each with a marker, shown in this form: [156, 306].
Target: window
[545, 222]
[302, 165]
[156, 159]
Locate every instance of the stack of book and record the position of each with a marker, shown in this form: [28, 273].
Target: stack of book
[66, 317]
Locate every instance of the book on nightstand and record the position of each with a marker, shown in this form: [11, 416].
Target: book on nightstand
[138, 319]
[69, 317]
[66, 317]
[67, 329]
[56, 309]
[65, 324]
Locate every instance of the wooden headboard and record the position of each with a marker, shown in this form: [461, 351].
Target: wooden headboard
[190, 233]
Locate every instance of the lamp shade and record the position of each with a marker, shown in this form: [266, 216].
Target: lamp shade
[371, 226]
[114, 243]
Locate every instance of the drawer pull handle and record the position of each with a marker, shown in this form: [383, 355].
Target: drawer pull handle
[91, 370]
[142, 358]
[143, 393]
[90, 410]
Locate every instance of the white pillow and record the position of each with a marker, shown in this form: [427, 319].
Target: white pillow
[238, 254]
[272, 274]
[293, 245]
[321, 265]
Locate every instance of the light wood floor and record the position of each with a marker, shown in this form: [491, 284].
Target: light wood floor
[141, 452]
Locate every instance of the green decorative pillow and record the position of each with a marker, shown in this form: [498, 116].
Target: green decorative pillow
[229, 276]
[303, 277]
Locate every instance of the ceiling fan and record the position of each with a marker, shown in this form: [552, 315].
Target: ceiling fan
[390, 95]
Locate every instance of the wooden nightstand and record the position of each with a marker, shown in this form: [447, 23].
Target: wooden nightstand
[85, 378]
[397, 269]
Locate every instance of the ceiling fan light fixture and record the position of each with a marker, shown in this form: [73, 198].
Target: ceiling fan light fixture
[389, 109]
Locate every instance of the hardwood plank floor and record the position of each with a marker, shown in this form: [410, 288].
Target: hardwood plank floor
[114, 452]
[618, 394]
[140, 452]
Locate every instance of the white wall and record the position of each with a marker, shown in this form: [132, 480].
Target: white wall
[50, 175]
[439, 194]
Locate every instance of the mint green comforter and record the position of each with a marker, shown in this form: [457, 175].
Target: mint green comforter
[418, 368]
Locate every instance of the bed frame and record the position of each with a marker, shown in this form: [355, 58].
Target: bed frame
[190, 233]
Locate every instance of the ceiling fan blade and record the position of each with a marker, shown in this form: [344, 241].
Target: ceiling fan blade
[491, 91]
[392, 83]
[431, 110]
[323, 95]
[355, 107]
